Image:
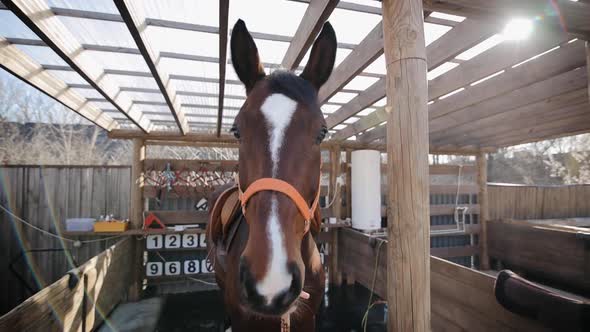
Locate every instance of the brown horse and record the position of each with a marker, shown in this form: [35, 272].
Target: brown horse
[267, 258]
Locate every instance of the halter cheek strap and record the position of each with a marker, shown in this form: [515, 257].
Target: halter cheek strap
[272, 184]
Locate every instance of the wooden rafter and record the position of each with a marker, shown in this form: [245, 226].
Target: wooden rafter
[559, 127]
[316, 14]
[365, 99]
[501, 57]
[554, 86]
[17, 63]
[55, 35]
[495, 124]
[468, 32]
[363, 55]
[588, 65]
[564, 59]
[536, 122]
[135, 24]
[223, 17]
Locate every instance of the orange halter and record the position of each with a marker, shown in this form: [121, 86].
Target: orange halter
[272, 184]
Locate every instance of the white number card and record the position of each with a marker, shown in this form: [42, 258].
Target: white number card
[172, 241]
[172, 268]
[153, 269]
[154, 242]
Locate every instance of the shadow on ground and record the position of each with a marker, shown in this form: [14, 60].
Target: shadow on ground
[342, 310]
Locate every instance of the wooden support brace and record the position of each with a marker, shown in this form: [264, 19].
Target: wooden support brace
[588, 65]
[335, 274]
[482, 181]
[136, 216]
[408, 262]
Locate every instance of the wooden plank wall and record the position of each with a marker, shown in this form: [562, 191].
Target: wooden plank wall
[462, 299]
[80, 300]
[558, 258]
[538, 202]
[46, 196]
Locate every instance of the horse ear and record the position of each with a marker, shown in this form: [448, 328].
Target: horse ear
[244, 56]
[322, 57]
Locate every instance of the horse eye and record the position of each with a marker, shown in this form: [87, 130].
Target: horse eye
[321, 135]
[234, 130]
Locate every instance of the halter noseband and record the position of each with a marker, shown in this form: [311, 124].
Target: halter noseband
[272, 184]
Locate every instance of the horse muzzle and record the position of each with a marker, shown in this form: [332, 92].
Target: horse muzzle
[260, 300]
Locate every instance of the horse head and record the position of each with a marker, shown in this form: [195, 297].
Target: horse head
[280, 128]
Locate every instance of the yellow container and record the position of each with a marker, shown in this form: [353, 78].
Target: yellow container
[110, 226]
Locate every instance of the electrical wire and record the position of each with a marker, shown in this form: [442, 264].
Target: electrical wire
[370, 305]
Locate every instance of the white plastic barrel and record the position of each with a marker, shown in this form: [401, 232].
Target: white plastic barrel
[366, 189]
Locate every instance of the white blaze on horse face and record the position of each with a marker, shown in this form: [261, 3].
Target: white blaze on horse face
[278, 111]
[277, 278]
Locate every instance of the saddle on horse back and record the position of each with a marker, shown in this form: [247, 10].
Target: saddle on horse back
[552, 309]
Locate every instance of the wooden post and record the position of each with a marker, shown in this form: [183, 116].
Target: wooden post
[482, 181]
[348, 183]
[335, 275]
[588, 65]
[136, 216]
[408, 268]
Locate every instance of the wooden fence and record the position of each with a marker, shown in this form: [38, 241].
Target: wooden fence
[538, 202]
[80, 300]
[46, 196]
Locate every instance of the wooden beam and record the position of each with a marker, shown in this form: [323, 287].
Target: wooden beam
[316, 14]
[134, 18]
[465, 35]
[335, 275]
[556, 127]
[588, 65]
[19, 64]
[482, 181]
[81, 299]
[136, 214]
[408, 269]
[501, 123]
[555, 86]
[363, 55]
[515, 101]
[223, 16]
[38, 17]
[357, 104]
[492, 61]
[564, 59]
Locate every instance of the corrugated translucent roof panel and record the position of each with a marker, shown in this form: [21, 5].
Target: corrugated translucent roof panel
[117, 61]
[12, 27]
[143, 96]
[361, 83]
[131, 81]
[96, 32]
[69, 77]
[43, 55]
[352, 27]
[88, 93]
[203, 12]
[182, 41]
[190, 68]
[101, 6]
[279, 17]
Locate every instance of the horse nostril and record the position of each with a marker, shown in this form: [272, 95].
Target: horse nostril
[248, 283]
